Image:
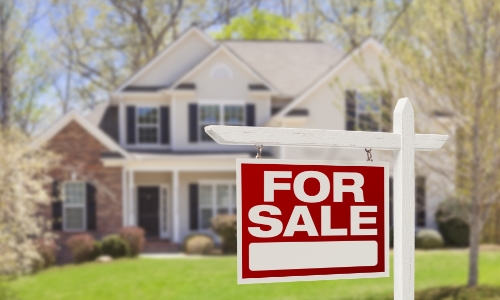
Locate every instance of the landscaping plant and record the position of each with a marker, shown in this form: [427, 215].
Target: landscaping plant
[81, 247]
[225, 227]
[199, 244]
[134, 237]
[428, 239]
[114, 246]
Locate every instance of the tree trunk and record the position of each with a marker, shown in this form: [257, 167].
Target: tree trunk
[474, 239]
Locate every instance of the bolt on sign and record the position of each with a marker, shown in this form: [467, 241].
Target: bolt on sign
[312, 220]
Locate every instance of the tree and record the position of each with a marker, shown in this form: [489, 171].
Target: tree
[448, 55]
[21, 79]
[258, 25]
[23, 190]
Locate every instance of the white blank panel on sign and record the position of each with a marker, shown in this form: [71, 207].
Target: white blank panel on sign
[310, 255]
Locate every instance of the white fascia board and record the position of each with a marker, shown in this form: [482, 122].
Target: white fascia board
[89, 127]
[165, 52]
[326, 78]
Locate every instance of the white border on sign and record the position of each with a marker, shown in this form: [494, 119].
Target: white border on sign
[240, 161]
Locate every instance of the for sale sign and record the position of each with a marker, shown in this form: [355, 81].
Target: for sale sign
[312, 220]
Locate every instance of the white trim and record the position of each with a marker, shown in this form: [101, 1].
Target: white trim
[325, 78]
[96, 132]
[124, 198]
[155, 60]
[175, 206]
[69, 205]
[239, 220]
[230, 54]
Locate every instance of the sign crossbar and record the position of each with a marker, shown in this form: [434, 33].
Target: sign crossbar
[299, 137]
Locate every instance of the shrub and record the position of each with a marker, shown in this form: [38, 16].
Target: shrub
[199, 244]
[96, 251]
[81, 246]
[455, 232]
[47, 251]
[453, 228]
[428, 239]
[225, 227]
[114, 246]
[134, 237]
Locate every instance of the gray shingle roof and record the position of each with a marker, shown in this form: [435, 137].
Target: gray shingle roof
[290, 66]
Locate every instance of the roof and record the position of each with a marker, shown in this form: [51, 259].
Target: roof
[95, 131]
[289, 66]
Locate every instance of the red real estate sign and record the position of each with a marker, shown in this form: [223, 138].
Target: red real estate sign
[312, 220]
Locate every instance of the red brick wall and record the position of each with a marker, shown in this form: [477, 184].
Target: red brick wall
[80, 154]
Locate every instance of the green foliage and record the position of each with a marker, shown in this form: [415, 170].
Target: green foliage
[81, 247]
[459, 293]
[199, 244]
[225, 227]
[6, 292]
[428, 239]
[258, 25]
[114, 246]
[96, 251]
[454, 230]
[134, 237]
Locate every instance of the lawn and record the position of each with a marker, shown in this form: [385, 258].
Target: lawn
[215, 278]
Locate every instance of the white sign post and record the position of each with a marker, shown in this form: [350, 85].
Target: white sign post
[403, 141]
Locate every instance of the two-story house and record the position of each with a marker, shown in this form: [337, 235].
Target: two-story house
[144, 159]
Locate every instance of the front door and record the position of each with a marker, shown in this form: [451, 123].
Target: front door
[148, 202]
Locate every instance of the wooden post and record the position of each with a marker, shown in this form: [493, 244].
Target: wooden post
[404, 202]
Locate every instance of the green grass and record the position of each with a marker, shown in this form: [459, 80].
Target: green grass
[215, 278]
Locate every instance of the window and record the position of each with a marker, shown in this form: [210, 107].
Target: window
[221, 72]
[368, 112]
[216, 199]
[147, 125]
[219, 114]
[74, 212]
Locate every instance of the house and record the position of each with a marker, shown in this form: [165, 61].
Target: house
[144, 159]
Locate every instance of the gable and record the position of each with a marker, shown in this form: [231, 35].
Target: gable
[177, 59]
[72, 126]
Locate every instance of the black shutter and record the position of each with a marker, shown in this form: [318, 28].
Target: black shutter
[56, 207]
[350, 110]
[193, 206]
[420, 201]
[386, 111]
[165, 124]
[131, 124]
[250, 114]
[91, 207]
[193, 122]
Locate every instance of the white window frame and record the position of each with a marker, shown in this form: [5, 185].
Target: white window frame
[70, 205]
[221, 105]
[366, 91]
[214, 183]
[138, 125]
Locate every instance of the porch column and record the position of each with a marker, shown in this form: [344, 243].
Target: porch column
[124, 198]
[131, 199]
[175, 206]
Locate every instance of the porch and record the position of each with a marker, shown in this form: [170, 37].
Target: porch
[172, 201]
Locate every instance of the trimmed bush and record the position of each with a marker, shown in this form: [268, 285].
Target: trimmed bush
[134, 237]
[96, 251]
[199, 244]
[114, 246]
[428, 239]
[225, 227]
[47, 251]
[81, 246]
[455, 232]
[453, 228]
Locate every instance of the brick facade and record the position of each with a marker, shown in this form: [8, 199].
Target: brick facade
[81, 155]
